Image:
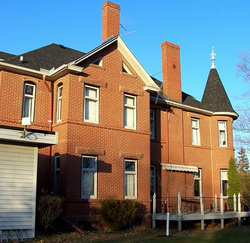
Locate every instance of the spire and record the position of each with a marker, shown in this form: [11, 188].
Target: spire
[215, 97]
[213, 58]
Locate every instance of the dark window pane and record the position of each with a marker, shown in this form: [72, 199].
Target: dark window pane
[129, 166]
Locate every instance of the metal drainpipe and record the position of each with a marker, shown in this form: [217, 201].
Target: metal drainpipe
[167, 147]
[50, 124]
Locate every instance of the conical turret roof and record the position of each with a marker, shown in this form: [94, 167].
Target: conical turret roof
[215, 97]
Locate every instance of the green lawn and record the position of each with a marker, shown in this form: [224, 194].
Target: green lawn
[190, 235]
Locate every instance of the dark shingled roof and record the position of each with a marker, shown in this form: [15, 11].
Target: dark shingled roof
[186, 98]
[46, 57]
[4, 55]
[215, 97]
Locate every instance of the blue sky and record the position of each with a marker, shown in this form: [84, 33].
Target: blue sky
[195, 25]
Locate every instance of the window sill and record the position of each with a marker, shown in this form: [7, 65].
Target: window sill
[88, 197]
[130, 197]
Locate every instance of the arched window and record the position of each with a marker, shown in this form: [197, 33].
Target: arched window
[29, 101]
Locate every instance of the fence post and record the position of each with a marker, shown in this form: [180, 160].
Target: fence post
[239, 210]
[154, 209]
[179, 212]
[216, 203]
[167, 225]
[221, 210]
[235, 208]
[202, 212]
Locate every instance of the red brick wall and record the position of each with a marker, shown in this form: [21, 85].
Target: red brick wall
[208, 155]
[171, 70]
[110, 20]
[109, 135]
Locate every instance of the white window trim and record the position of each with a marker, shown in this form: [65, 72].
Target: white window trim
[200, 183]
[153, 166]
[152, 135]
[94, 99]
[198, 131]
[131, 173]
[134, 110]
[95, 178]
[221, 187]
[225, 123]
[59, 108]
[55, 171]
[31, 116]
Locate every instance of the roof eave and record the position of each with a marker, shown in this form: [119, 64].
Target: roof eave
[234, 115]
[50, 74]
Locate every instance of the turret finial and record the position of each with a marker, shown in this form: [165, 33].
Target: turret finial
[213, 58]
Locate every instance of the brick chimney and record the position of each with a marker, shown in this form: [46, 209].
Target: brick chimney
[171, 70]
[110, 20]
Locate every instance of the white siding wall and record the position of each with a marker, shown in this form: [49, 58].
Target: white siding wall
[18, 173]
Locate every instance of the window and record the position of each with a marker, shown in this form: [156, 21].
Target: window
[59, 103]
[195, 131]
[91, 104]
[29, 101]
[222, 125]
[152, 123]
[89, 176]
[56, 175]
[198, 183]
[125, 69]
[129, 111]
[152, 180]
[97, 61]
[224, 182]
[130, 179]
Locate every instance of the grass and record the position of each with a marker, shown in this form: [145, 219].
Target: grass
[211, 234]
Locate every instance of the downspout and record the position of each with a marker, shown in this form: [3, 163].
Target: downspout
[167, 151]
[50, 124]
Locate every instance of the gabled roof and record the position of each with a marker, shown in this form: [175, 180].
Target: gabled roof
[125, 51]
[215, 97]
[4, 55]
[47, 57]
[53, 59]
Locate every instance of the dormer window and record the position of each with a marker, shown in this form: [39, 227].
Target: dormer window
[97, 61]
[125, 69]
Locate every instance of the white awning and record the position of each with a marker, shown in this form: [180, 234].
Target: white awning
[174, 167]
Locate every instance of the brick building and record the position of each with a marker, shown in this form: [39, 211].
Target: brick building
[121, 133]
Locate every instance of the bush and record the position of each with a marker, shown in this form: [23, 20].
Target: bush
[118, 214]
[234, 186]
[49, 208]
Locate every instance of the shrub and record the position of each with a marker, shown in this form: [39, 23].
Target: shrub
[49, 208]
[118, 214]
[234, 186]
